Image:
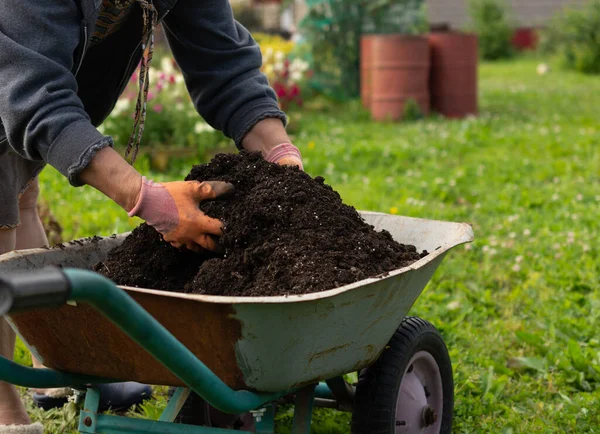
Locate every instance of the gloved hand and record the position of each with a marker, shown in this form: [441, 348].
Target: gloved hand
[285, 154]
[172, 209]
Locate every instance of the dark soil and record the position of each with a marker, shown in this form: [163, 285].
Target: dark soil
[285, 233]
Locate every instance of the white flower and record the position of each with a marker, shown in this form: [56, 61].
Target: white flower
[121, 105]
[579, 197]
[527, 232]
[269, 70]
[202, 127]
[153, 75]
[543, 69]
[179, 106]
[453, 305]
[279, 56]
[516, 268]
[518, 259]
[278, 67]
[166, 64]
[296, 76]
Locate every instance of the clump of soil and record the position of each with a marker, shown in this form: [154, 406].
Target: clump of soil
[285, 233]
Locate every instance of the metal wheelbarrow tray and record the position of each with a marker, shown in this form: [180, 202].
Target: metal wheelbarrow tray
[268, 344]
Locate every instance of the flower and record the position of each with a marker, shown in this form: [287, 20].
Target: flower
[311, 144]
[202, 127]
[166, 65]
[121, 106]
[394, 210]
[543, 69]
[296, 76]
[158, 108]
[279, 56]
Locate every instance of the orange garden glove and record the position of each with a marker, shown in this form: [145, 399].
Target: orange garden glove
[285, 154]
[172, 209]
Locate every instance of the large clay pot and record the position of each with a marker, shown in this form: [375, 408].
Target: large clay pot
[453, 82]
[399, 73]
[365, 70]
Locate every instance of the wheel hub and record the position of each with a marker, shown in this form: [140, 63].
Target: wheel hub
[420, 398]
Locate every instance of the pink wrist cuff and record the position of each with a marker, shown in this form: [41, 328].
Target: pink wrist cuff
[284, 150]
[156, 206]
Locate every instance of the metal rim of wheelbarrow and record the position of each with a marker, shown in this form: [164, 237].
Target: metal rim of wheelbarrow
[420, 401]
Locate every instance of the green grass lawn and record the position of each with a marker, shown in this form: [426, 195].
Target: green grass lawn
[520, 307]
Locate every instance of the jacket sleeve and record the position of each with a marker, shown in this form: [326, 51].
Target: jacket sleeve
[42, 115]
[221, 64]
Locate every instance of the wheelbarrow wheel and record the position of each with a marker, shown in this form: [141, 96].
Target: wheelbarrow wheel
[409, 389]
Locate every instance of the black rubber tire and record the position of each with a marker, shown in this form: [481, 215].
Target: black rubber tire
[374, 409]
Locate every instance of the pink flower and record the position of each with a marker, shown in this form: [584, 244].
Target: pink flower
[172, 79]
[279, 90]
[158, 108]
[134, 77]
[159, 87]
[162, 76]
[294, 90]
[150, 95]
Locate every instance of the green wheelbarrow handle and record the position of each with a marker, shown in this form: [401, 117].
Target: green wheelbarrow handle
[53, 287]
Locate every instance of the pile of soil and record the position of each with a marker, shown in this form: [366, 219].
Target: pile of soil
[285, 233]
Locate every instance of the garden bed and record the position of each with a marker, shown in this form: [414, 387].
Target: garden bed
[285, 233]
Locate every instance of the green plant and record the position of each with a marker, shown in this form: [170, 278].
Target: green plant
[574, 35]
[412, 110]
[408, 17]
[490, 20]
[247, 16]
[171, 119]
[333, 29]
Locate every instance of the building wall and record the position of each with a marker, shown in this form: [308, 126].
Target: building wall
[524, 12]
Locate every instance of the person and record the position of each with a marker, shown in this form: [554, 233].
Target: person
[63, 66]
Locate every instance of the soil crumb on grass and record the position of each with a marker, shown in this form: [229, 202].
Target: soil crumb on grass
[285, 233]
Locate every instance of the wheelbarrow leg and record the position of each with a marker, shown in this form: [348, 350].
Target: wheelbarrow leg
[88, 416]
[175, 404]
[303, 410]
[264, 419]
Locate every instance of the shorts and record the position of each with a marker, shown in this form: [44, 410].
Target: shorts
[16, 173]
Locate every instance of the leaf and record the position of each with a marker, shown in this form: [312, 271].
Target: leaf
[524, 363]
[488, 379]
[578, 360]
[535, 341]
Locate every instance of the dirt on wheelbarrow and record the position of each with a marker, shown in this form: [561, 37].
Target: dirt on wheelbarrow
[285, 233]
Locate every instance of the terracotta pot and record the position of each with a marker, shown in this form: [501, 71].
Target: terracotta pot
[365, 70]
[399, 73]
[453, 83]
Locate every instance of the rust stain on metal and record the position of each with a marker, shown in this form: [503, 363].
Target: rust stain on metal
[81, 340]
[326, 352]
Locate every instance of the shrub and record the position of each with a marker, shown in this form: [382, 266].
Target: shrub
[171, 119]
[490, 20]
[287, 74]
[574, 35]
[333, 28]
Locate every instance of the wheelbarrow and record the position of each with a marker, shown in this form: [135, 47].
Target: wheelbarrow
[240, 354]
